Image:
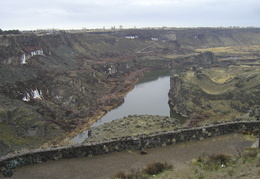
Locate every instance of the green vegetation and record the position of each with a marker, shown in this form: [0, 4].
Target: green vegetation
[8, 32]
[213, 162]
[246, 164]
[22, 128]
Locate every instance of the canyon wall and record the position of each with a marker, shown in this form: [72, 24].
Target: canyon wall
[53, 84]
[232, 92]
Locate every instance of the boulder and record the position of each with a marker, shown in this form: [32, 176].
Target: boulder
[8, 172]
[143, 152]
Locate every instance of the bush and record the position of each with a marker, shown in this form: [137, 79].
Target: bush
[222, 158]
[246, 132]
[250, 152]
[157, 167]
[256, 131]
[122, 175]
[133, 174]
[214, 161]
[150, 169]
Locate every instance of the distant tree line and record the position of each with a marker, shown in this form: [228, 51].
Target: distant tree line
[7, 32]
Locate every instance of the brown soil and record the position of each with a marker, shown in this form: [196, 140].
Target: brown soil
[105, 166]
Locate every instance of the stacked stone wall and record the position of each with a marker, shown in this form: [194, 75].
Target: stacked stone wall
[126, 143]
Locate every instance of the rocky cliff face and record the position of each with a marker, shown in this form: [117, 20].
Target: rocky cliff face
[182, 90]
[193, 38]
[223, 96]
[178, 95]
[56, 83]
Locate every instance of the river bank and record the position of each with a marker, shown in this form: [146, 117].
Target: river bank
[149, 97]
[65, 138]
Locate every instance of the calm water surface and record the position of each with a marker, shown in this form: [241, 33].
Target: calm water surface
[150, 96]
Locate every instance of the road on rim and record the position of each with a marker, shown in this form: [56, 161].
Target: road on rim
[105, 166]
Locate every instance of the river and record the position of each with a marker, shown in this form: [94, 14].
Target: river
[149, 96]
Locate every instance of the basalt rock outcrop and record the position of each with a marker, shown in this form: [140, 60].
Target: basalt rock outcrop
[230, 94]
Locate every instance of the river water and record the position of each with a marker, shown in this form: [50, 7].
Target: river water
[149, 96]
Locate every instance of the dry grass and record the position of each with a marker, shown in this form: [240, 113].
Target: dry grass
[250, 152]
[214, 161]
[175, 56]
[246, 49]
[133, 174]
[157, 167]
[245, 165]
[150, 169]
[132, 125]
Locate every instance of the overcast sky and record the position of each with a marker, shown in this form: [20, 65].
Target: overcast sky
[68, 14]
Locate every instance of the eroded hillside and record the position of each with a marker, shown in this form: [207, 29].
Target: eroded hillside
[53, 86]
[216, 94]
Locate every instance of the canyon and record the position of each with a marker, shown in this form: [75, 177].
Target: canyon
[54, 86]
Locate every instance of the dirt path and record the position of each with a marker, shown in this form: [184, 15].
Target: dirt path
[105, 166]
[141, 51]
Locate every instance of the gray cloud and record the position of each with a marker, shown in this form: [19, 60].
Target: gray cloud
[29, 14]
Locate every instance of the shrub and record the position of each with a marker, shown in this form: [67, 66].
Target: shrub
[246, 132]
[250, 152]
[222, 158]
[122, 175]
[256, 131]
[157, 167]
[133, 174]
[150, 169]
[138, 126]
[198, 116]
[214, 161]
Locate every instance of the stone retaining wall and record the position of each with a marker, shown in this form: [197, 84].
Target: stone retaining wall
[126, 143]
